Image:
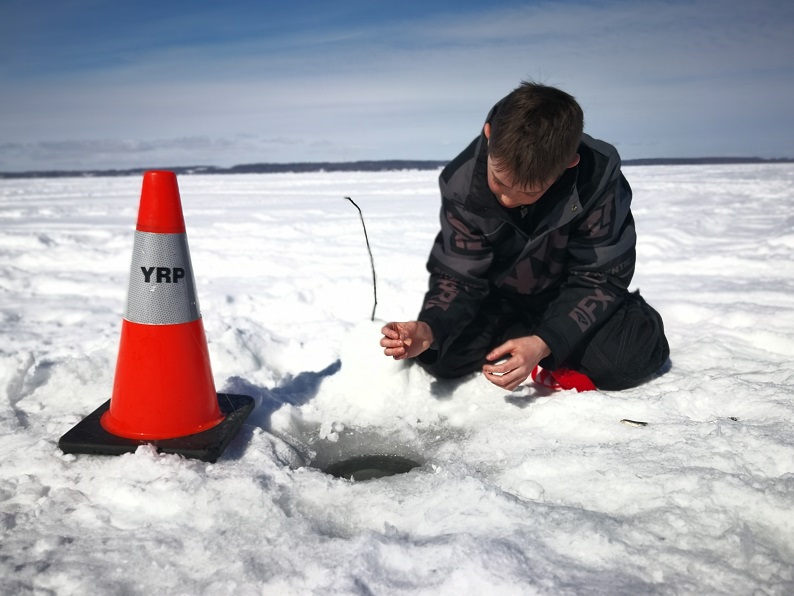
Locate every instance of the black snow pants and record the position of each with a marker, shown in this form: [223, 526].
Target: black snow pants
[628, 349]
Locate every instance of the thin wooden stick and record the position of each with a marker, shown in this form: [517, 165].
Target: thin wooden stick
[371, 260]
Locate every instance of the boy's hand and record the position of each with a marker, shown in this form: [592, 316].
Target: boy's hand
[406, 340]
[523, 354]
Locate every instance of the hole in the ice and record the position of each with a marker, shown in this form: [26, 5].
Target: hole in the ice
[369, 467]
[348, 452]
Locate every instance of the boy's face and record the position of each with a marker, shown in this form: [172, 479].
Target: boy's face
[501, 184]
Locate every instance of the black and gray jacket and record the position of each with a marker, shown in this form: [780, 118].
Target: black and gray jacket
[567, 260]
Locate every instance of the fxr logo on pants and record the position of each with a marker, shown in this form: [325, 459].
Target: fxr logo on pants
[164, 274]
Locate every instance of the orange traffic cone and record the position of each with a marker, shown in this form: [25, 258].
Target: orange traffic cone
[163, 391]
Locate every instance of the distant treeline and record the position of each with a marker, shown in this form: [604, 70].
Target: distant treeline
[253, 168]
[357, 166]
[700, 161]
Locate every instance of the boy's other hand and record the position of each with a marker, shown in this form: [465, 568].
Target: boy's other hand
[406, 340]
[522, 353]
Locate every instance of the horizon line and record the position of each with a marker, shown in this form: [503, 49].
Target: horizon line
[366, 164]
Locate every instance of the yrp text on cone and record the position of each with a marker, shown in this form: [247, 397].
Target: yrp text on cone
[163, 392]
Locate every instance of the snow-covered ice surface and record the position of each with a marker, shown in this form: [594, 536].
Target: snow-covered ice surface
[518, 493]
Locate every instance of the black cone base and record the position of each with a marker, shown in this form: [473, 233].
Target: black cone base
[89, 437]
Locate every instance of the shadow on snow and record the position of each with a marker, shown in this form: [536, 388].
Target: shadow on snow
[295, 391]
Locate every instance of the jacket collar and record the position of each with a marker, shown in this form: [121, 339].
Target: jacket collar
[558, 205]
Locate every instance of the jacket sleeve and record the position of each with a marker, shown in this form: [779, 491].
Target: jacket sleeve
[458, 266]
[599, 267]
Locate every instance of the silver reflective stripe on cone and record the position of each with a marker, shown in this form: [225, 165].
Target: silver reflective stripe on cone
[162, 290]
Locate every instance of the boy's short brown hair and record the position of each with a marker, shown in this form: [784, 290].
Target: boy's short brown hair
[535, 134]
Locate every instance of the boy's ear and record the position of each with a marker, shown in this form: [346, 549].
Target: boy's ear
[487, 130]
[574, 161]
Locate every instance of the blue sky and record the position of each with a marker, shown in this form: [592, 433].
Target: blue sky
[100, 84]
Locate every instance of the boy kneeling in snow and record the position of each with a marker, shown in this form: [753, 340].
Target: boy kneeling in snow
[534, 257]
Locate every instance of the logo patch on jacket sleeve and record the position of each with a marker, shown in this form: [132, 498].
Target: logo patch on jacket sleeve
[585, 311]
